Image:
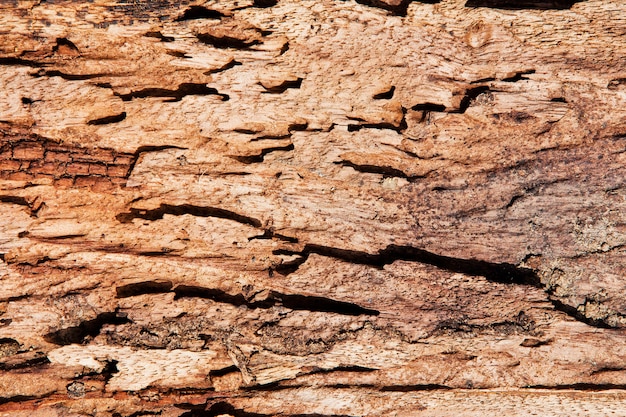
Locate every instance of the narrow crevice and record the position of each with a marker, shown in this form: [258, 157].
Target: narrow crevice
[223, 371]
[608, 369]
[398, 8]
[180, 210]
[346, 368]
[145, 149]
[231, 64]
[495, 272]
[86, 329]
[12, 199]
[531, 342]
[219, 409]
[268, 234]
[34, 206]
[385, 95]
[159, 35]
[66, 76]
[184, 89]
[322, 304]
[217, 295]
[141, 288]
[253, 159]
[579, 387]
[518, 76]
[411, 388]
[429, 107]
[65, 44]
[224, 42]
[177, 54]
[13, 61]
[263, 4]
[282, 87]
[19, 399]
[577, 315]
[398, 128]
[505, 273]
[116, 118]
[291, 301]
[199, 12]
[375, 169]
[35, 362]
[523, 4]
[223, 408]
[469, 97]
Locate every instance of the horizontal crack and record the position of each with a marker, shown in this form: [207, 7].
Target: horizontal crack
[116, 118]
[291, 301]
[418, 387]
[496, 272]
[184, 89]
[88, 328]
[179, 210]
[376, 169]
[579, 387]
[251, 159]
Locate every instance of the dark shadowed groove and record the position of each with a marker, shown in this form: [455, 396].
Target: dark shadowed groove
[159, 35]
[199, 12]
[30, 363]
[19, 62]
[579, 387]
[282, 87]
[144, 149]
[523, 4]
[496, 272]
[399, 9]
[231, 64]
[268, 234]
[385, 95]
[291, 301]
[11, 199]
[518, 76]
[145, 287]
[184, 89]
[252, 159]
[180, 210]
[225, 408]
[220, 296]
[20, 398]
[224, 42]
[322, 304]
[376, 169]
[66, 43]
[88, 328]
[429, 107]
[469, 96]
[410, 388]
[116, 118]
[66, 76]
[574, 313]
[505, 273]
[263, 4]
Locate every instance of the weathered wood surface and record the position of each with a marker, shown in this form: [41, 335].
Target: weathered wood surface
[256, 208]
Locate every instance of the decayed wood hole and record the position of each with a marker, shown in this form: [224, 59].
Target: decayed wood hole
[324, 208]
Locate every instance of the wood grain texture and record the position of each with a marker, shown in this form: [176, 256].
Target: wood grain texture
[323, 208]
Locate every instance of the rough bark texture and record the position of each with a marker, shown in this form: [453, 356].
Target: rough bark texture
[256, 208]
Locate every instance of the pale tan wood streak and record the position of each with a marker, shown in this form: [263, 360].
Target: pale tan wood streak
[336, 207]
